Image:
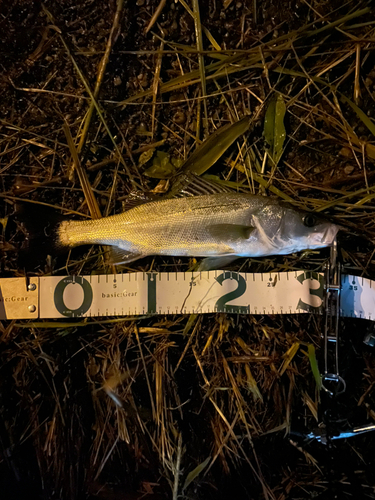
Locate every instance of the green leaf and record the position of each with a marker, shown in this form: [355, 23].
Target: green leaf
[274, 129]
[361, 114]
[209, 152]
[145, 157]
[215, 146]
[314, 365]
[195, 472]
[162, 166]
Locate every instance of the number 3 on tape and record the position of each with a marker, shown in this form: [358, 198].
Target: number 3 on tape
[316, 294]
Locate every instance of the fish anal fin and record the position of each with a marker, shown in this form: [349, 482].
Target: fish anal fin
[119, 256]
[216, 262]
[230, 232]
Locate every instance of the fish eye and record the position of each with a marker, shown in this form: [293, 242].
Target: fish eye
[310, 220]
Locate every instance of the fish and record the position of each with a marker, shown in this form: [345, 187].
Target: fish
[220, 227]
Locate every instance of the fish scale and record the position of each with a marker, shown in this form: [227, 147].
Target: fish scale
[214, 225]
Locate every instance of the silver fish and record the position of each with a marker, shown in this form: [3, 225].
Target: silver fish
[220, 226]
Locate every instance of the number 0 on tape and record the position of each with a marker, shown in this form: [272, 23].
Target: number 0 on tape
[179, 293]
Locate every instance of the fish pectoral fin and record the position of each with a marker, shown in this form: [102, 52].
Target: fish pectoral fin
[216, 262]
[230, 232]
[118, 256]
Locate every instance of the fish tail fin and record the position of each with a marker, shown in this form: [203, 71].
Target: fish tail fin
[38, 226]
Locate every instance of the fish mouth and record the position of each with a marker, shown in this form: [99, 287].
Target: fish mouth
[325, 236]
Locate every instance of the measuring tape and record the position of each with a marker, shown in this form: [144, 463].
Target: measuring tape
[179, 293]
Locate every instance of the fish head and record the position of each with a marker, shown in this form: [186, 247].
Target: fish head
[300, 230]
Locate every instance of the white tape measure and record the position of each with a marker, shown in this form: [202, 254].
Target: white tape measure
[179, 293]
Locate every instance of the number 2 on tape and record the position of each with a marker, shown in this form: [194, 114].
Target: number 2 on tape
[221, 304]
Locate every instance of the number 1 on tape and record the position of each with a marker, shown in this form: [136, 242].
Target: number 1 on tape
[179, 293]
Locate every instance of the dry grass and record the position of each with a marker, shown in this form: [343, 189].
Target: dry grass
[200, 406]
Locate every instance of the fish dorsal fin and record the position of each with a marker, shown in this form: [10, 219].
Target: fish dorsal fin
[135, 198]
[185, 185]
[191, 185]
[230, 232]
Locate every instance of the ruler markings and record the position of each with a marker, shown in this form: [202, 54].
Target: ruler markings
[199, 292]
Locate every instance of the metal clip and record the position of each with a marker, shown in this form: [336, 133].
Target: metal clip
[332, 382]
[320, 435]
